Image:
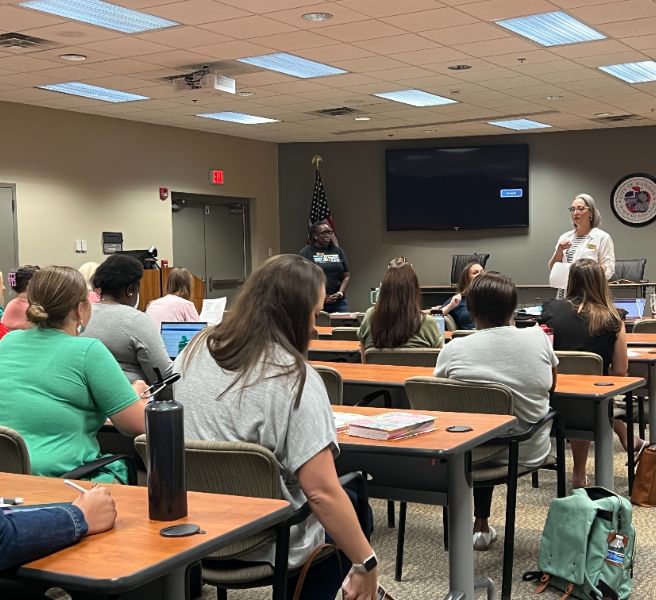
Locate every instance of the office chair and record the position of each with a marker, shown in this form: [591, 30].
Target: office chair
[333, 382]
[631, 269]
[436, 393]
[409, 357]
[458, 262]
[345, 333]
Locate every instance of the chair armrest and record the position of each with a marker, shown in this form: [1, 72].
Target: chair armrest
[521, 436]
[89, 468]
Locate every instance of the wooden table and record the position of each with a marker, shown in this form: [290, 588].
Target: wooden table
[641, 339]
[579, 420]
[430, 468]
[639, 355]
[133, 560]
[335, 350]
[324, 332]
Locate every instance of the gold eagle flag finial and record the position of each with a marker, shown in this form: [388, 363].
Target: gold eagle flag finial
[316, 161]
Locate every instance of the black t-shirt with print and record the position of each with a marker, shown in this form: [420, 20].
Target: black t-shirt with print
[332, 261]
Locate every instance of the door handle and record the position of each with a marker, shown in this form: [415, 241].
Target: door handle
[210, 283]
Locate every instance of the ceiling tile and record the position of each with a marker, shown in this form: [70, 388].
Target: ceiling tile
[431, 56]
[362, 30]
[629, 29]
[17, 19]
[475, 32]
[297, 40]
[615, 11]
[406, 42]
[644, 42]
[72, 32]
[250, 27]
[177, 58]
[25, 63]
[92, 56]
[494, 47]
[589, 49]
[336, 52]
[127, 46]
[430, 20]
[386, 8]
[340, 14]
[523, 59]
[491, 10]
[184, 37]
[195, 12]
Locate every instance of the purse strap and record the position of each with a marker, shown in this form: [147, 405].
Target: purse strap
[308, 563]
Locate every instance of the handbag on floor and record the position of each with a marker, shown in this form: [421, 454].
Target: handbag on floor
[588, 546]
[644, 484]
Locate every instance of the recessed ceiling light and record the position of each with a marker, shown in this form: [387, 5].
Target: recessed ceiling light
[289, 64]
[415, 98]
[362, 118]
[519, 124]
[554, 97]
[73, 57]
[459, 67]
[551, 29]
[103, 14]
[637, 72]
[245, 94]
[75, 88]
[235, 117]
[317, 16]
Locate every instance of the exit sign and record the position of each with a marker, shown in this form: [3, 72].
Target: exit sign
[216, 177]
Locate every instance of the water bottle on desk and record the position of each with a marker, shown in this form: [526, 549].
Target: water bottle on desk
[167, 487]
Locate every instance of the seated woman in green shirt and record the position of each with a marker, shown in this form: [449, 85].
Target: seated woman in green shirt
[57, 389]
[396, 321]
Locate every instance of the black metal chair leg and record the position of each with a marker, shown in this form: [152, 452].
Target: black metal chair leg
[561, 476]
[400, 542]
[630, 442]
[535, 479]
[445, 527]
[221, 594]
[642, 425]
[390, 514]
[509, 535]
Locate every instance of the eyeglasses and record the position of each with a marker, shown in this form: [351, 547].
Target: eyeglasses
[573, 209]
[327, 232]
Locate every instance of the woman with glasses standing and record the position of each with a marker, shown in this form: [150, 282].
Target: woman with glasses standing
[323, 252]
[586, 240]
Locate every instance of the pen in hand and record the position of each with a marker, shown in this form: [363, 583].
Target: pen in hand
[75, 486]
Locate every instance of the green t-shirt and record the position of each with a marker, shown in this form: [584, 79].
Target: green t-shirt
[56, 390]
[428, 335]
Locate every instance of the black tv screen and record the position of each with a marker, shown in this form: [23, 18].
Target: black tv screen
[484, 187]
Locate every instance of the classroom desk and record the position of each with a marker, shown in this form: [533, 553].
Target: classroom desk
[641, 339]
[133, 560]
[324, 332]
[334, 350]
[430, 468]
[639, 355]
[595, 425]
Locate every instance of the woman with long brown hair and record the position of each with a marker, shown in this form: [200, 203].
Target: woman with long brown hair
[177, 304]
[586, 320]
[247, 379]
[396, 321]
[457, 305]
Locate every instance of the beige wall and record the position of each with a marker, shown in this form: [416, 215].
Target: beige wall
[78, 175]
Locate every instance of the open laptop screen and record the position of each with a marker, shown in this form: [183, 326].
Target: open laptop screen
[177, 335]
[634, 307]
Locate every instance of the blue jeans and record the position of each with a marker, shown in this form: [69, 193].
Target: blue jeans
[337, 306]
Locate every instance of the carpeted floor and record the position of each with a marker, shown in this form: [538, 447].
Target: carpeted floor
[425, 575]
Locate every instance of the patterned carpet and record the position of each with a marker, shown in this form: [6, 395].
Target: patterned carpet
[425, 575]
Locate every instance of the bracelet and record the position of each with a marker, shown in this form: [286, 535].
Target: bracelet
[341, 294]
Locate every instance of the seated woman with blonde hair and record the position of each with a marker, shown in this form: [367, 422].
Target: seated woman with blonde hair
[57, 389]
[88, 270]
[176, 305]
[396, 320]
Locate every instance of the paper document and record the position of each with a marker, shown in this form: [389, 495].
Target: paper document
[559, 275]
[213, 309]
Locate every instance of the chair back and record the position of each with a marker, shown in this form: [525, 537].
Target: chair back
[449, 323]
[234, 468]
[631, 269]
[458, 262]
[462, 332]
[333, 382]
[409, 357]
[451, 395]
[345, 333]
[323, 319]
[14, 457]
[645, 326]
[579, 363]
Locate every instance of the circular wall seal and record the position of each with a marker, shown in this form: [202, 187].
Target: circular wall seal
[633, 199]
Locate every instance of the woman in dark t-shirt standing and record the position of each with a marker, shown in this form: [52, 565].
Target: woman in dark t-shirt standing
[331, 258]
[586, 320]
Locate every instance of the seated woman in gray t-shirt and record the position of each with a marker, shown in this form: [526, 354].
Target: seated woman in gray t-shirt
[247, 380]
[522, 359]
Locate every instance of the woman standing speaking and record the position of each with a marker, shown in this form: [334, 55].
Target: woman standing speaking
[586, 240]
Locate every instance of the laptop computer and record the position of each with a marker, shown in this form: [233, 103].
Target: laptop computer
[177, 335]
[634, 307]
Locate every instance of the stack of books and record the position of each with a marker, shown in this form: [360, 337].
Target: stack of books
[343, 420]
[391, 426]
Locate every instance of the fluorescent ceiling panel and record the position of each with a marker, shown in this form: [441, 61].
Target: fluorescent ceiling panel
[102, 14]
[75, 88]
[235, 117]
[415, 98]
[552, 29]
[289, 64]
[519, 124]
[637, 72]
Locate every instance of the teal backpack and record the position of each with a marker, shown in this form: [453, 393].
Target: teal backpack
[588, 546]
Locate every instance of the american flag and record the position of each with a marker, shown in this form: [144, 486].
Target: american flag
[320, 209]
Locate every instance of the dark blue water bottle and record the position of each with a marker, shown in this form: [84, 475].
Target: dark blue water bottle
[167, 489]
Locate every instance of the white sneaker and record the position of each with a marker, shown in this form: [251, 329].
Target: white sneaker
[483, 540]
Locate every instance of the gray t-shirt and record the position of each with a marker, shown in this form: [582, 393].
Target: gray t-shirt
[261, 411]
[133, 339]
[523, 360]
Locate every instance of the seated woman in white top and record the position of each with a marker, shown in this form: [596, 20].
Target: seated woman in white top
[247, 380]
[522, 359]
[175, 306]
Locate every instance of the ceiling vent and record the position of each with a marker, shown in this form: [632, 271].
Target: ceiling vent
[618, 118]
[340, 111]
[18, 43]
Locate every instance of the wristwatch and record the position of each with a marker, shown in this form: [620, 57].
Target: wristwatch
[369, 564]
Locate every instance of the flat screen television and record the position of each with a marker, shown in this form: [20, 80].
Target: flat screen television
[482, 187]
